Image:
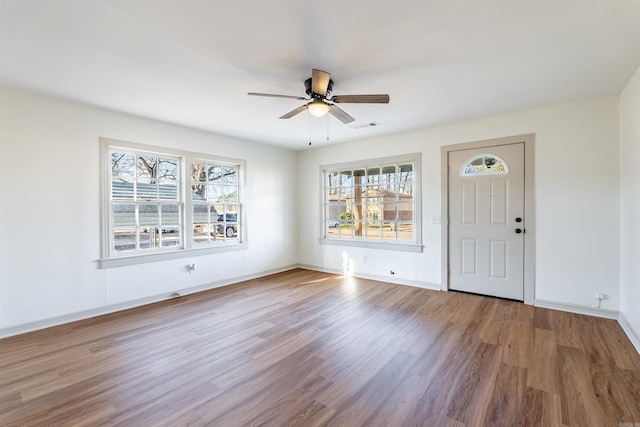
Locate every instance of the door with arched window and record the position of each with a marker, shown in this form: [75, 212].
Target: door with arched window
[486, 220]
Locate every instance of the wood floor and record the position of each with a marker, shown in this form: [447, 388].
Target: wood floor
[304, 348]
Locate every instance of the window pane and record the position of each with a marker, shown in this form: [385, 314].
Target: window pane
[389, 230]
[198, 192]
[168, 191]
[170, 236]
[333, 228]
[232, 230]
[198, 172]
[405, 210]
[170, 214]
[147, 169]
[346, 178]
[388, 170]
[214, 193]
[146, 191]
[230, 194]
[373, 175]
[124, 239]
[122, 175]
[201, 233]
[406, 168]
[168, 170]
[389, 212]
[122, 166]
[333, 179]
[149, 237]
[373, 193]
[201, 214]
[347, 193]
[388, 178]
[149, 215]
[346, 228]
[231, 213]
[214, 174]
[373, 212]
[405, 180]
[358, 229]
[373, 229]
[230, 175]
[124, 215]
[122, 190]
[405, 231]
[484, 164]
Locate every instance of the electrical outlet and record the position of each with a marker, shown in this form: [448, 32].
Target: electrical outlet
[435, 219]
[600, 295]
[364, 259]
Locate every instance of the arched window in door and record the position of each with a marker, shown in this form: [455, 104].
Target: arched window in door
[484, 164]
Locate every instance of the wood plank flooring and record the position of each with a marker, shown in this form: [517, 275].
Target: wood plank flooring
[304, 348]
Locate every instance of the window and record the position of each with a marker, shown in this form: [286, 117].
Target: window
[161, 203]
[214, 195]
[145, 204]
[484, 164]
[372, 202]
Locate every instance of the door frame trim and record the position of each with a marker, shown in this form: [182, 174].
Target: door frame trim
[529, 206]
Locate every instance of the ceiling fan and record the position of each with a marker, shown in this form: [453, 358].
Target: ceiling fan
[319, 87]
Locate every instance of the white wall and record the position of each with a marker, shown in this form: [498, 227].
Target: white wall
[50, 239]
[630, 205]
[576, 192]
[50, 210]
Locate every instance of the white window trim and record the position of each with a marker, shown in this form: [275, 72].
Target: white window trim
[109, 260]
[396, 245]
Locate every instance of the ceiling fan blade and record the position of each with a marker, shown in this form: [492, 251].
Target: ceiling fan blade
[301, 98]
[320, 81]
[292, 113]
[340, 114]
[361, 99]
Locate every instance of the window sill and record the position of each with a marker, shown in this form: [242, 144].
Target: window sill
[390, 246]
[165, 256]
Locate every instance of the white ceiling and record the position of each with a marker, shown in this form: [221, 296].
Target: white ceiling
[191, 62]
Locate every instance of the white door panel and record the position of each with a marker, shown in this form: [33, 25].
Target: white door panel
[486, 254]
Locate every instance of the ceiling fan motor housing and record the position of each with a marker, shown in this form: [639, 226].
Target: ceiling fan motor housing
[307, 87]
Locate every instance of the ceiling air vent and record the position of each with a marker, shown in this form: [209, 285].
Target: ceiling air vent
[366, 125]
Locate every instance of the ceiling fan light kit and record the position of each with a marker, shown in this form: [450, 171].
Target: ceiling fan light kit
[318, 108]
[319, 87]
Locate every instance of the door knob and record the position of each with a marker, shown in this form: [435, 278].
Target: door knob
[518, 230]
[518, 219]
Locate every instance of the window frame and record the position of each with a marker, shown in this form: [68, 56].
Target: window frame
[399, 245]
[187, 248]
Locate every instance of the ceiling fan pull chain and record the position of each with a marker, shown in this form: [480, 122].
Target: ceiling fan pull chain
[327, 128]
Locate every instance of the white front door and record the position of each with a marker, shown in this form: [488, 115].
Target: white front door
[486, 220]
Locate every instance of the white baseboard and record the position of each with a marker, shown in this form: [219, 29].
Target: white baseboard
[112, 308]
[634, 336]
[578, 309]
[387, 279]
